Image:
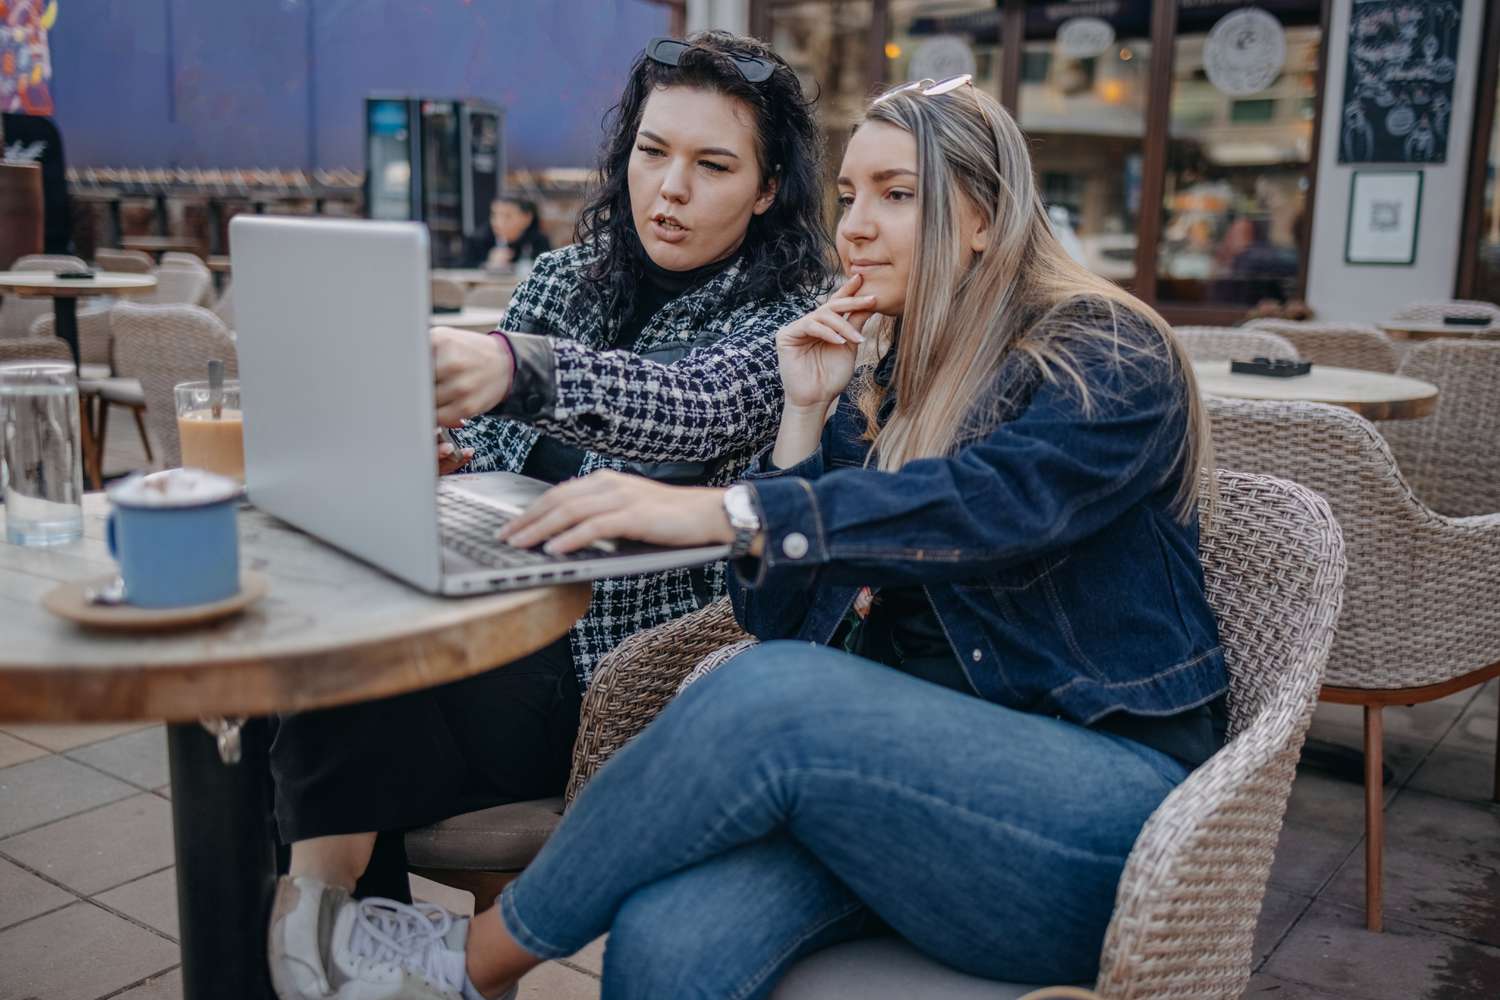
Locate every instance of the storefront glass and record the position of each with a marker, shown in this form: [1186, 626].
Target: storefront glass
[1235, 225]
[1085, 78]
[827, 43]
[1487, 271]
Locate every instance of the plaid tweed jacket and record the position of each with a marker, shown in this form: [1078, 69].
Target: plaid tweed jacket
[719, 404]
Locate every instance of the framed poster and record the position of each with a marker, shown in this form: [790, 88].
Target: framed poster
[1398, 81]
[1385, 207]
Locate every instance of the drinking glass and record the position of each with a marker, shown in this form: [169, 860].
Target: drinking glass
[215, 443]
[41, 466]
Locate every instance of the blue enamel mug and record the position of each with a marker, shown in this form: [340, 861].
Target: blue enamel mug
[175, 536]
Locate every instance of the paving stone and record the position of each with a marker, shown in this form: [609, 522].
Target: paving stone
[102, 848]
[79, 953]
[1263, 987]
[1402, 755]
[23, 895]
[1425, 723]
[1279, 910]
[139, 757]
[591, 957]
[14, 751]
[1467, 831]
[49, 788]
[1330, 949]
[425, 890]
[167, 987]
[1308, 854]
[1322, 800]
[1457, 774]
[1427, 890]
[551, 981]
[1474, 731]
[151, 900]
[62, 737]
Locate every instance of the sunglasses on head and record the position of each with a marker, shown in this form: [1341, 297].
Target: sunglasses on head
[668, 52]
[927, 87]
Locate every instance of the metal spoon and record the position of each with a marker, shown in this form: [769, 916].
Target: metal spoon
[110, 593]
[216, 388]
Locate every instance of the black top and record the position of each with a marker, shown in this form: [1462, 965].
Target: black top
[902, 631]
[551, 460]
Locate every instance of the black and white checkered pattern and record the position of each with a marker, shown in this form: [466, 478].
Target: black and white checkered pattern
[719, 404]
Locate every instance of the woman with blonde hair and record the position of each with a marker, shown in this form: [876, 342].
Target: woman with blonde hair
[983, 539]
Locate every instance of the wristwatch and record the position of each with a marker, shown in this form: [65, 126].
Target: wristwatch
[739, 506]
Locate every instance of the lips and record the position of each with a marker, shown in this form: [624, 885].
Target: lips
[866, 266]
[667, 229]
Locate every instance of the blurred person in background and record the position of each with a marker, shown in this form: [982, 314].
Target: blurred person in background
[515, 235]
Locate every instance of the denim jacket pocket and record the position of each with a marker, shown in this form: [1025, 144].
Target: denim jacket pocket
[1065, 627]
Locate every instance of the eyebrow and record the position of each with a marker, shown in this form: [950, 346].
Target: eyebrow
[708, 151]
[883, 175]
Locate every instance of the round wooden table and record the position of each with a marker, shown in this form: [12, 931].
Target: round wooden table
[482, 320]
[161, 244]
[331, 631]
[65, 293]
[476, 276]
[1373, 395]
[1438, 331]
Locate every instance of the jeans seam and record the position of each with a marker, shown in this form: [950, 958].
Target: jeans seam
[749, 986]
[523, 935]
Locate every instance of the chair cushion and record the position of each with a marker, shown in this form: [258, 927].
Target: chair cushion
[124, 391]
[501, 838]
[93, 371]
[886, 968]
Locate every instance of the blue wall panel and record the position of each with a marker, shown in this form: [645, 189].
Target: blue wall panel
[281, 83]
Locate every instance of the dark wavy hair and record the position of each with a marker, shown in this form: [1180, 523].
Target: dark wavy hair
[787, 248]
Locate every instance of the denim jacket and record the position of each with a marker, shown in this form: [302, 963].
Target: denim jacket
[1047, 544]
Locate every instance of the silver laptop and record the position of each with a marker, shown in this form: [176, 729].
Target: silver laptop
[337, 390]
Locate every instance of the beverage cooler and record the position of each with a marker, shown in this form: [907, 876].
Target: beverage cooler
[436, 161]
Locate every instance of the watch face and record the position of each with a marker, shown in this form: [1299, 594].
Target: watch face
[740, 507]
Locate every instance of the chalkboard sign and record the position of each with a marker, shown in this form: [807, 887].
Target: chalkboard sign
[1398, 84]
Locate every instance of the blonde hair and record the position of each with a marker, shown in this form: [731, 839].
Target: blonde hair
[960, 324]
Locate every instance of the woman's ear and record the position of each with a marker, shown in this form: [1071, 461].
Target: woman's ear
[767, 196]
[980, 241]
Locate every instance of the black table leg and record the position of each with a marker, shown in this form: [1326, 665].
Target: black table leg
[65, 314]
[226, 862]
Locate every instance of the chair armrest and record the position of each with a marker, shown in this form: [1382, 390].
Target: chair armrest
[637, 678]
[1191, 892]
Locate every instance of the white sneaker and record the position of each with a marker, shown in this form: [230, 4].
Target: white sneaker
[323, 945]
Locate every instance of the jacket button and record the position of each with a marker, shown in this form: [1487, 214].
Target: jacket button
[977, 655]
[794, 545]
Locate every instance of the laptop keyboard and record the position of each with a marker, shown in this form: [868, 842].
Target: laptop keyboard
[468, 527]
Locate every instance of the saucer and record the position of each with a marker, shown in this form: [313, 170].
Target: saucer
[71, 601]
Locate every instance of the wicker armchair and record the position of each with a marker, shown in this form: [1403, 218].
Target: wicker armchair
[224, 306]
[179, 285]
[1232, 343]
[1422, 615]
[1433, 312]
[1452, 457]
[1187, 905]
[447, 293]
[18, 314]
[1344, 345]
[160, 346]
[16, 349]
[93, 337]
[124, 261]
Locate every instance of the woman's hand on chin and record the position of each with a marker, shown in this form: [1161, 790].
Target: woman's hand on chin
[612, 505]
[816, 353]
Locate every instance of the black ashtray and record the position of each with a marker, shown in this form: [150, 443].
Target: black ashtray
[1274, 367]
[75, 275]
[1466, 320]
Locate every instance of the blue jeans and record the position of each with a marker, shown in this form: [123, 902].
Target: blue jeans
[801, 796]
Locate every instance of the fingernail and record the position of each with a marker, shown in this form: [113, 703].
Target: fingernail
[550, 548]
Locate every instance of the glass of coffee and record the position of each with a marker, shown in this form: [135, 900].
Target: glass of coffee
[211, 431]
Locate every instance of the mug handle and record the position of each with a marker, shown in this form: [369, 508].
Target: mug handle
[109, 536]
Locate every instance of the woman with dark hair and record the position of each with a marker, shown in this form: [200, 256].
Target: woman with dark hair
[647, 346]
[515, 235]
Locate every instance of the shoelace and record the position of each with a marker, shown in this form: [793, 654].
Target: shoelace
[409, 936]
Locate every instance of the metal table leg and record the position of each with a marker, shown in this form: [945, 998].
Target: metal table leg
[65, 313]
[226, 861]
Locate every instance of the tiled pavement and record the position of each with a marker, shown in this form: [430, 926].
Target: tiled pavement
[87, 904]
[88, 911]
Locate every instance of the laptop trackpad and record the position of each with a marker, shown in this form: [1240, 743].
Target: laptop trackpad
[506, 488]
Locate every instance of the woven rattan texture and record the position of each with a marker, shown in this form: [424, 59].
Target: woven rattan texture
[1452, 458]
[1433, 312]
[1423, 602]
[17, 314]
[162, 346]
[33, 349]
[1341, 345]
[1232, 343]
[179, 285]
[1189, 900]
[93, 333]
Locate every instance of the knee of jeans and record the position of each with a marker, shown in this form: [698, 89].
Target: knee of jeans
[770, 680]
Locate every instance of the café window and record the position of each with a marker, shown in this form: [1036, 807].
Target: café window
[1240, 145]
[1085, 79]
